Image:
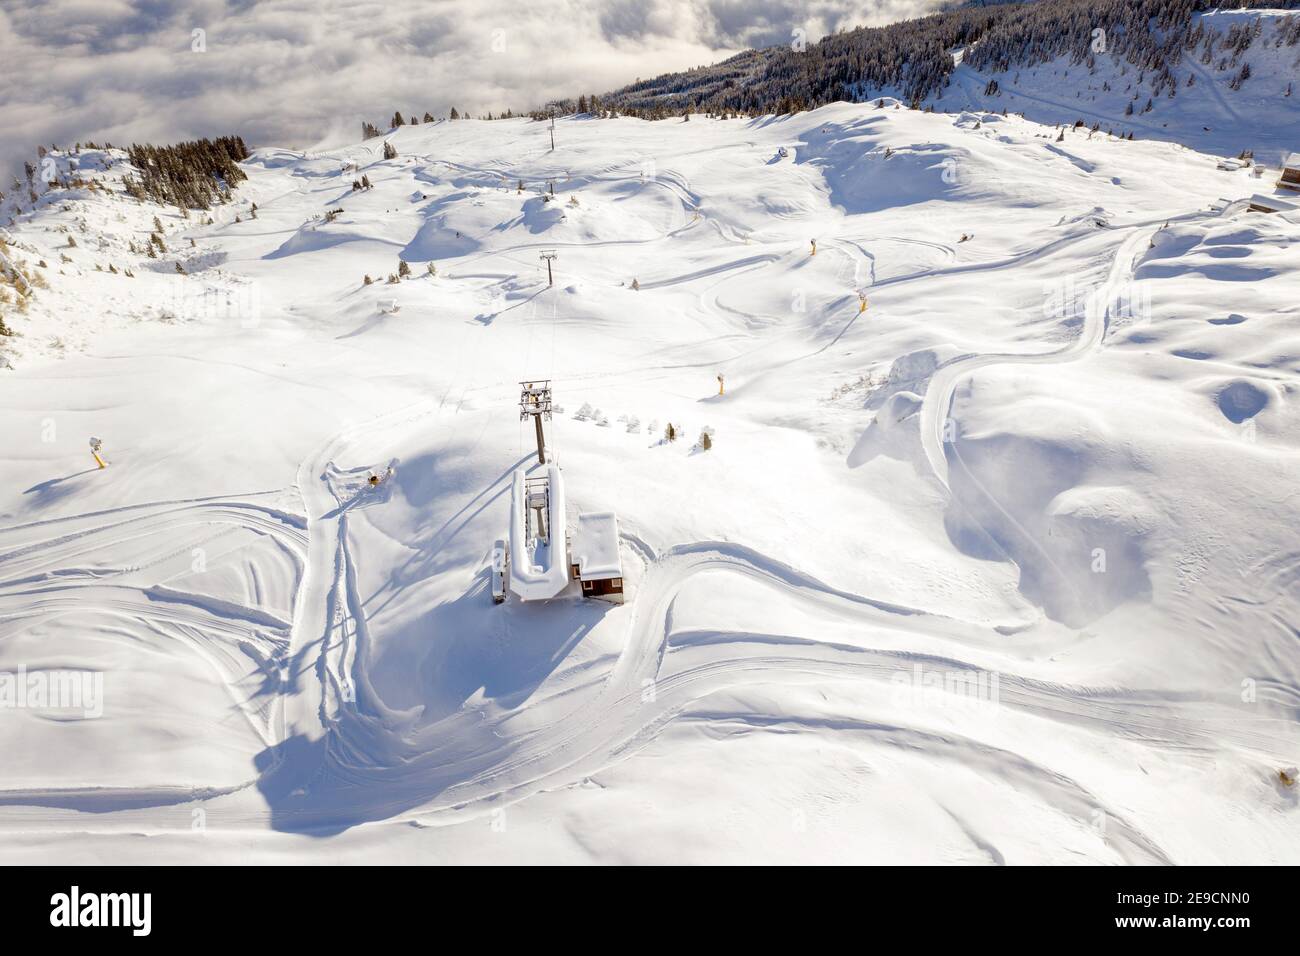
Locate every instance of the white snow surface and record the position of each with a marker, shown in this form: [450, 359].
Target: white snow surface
[1003, 569]
[596, 545]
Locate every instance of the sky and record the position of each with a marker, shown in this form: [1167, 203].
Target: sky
[305, 73]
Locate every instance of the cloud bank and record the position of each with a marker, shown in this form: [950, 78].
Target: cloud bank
[305, 74]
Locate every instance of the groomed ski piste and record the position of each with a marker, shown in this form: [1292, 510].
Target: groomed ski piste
[1003, 569]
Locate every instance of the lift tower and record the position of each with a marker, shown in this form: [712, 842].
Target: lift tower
[535, 401]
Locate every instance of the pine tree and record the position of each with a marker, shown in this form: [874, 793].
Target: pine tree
[403, 269]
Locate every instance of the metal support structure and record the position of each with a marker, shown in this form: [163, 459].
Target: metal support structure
[535, 401]
[549, 255]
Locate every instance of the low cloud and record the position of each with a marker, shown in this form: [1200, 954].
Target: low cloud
[305, 73]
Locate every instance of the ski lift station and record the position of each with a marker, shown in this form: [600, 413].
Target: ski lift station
[541, 555]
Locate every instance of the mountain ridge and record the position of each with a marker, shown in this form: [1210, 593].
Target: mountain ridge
[1151, 45]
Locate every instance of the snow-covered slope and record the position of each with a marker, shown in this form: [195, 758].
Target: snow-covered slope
[1208, 107]
[1001, 569]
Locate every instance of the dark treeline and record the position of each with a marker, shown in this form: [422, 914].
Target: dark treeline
[911, 59]
[370, 130]
[1152, 35]
[190, 175]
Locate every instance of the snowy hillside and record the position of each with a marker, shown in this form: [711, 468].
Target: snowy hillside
[1001, 569]
[1206, 106]
[1221, 81]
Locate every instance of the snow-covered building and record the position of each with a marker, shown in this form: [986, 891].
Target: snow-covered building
[535, 562]
[543, 551]
[1290, 176]
[593, 555]
[1262, 203]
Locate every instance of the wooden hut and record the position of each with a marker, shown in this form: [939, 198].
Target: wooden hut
[1262, 203]
[593, 556]
[1290, 177]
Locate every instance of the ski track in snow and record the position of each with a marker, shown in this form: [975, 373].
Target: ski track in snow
[374, 765]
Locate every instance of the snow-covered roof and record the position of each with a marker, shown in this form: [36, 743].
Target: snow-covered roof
[595, 546]
[537, 572]
[1292, 161]
[1273, 202]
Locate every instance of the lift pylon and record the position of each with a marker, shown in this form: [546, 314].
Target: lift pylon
[535, 402]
